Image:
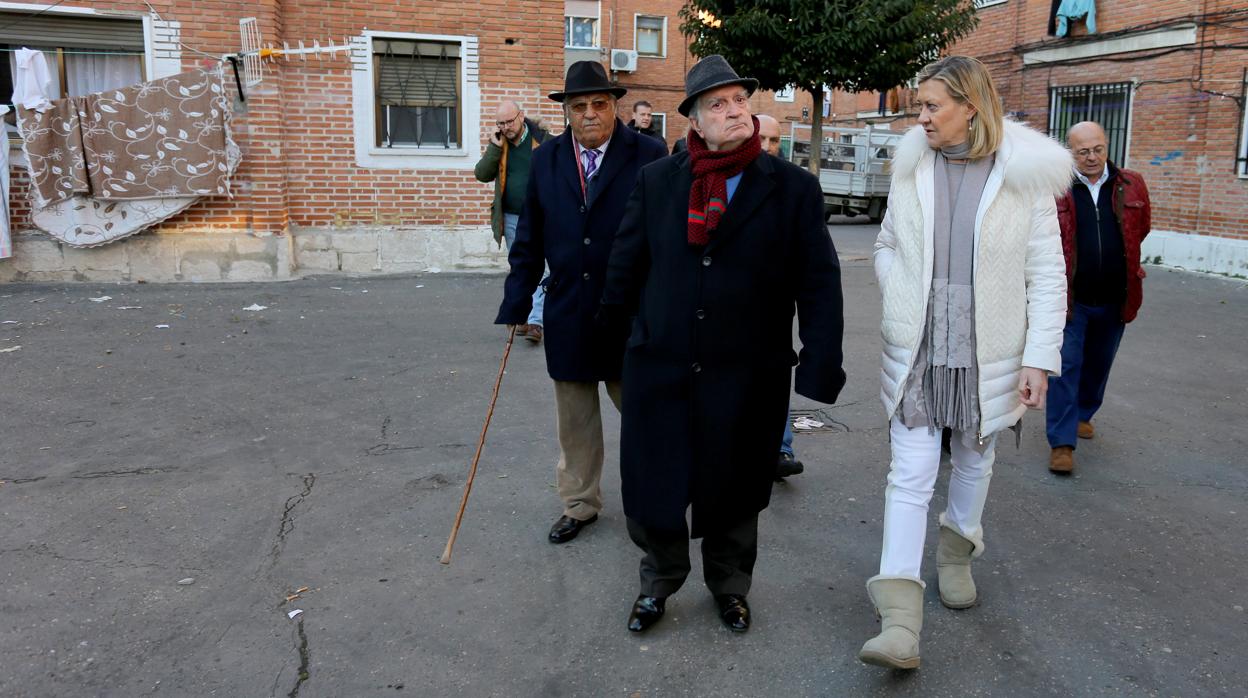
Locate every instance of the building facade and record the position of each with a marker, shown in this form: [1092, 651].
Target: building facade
[354, 160]
[358, 157]
[641, 45]
[1167, 80]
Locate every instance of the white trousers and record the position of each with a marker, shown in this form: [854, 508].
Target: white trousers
[911, 479]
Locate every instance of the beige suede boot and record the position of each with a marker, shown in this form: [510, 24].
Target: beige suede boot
[953, 569]
[899, 601]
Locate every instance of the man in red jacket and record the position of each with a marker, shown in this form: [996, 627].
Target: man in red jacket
[1104, 216]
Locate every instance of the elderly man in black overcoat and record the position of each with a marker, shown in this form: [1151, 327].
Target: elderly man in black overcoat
[718, 234]
[578, 185]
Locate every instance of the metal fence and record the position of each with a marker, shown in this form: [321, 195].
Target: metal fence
[1107, 104]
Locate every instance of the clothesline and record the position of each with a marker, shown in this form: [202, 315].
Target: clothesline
[81, 53]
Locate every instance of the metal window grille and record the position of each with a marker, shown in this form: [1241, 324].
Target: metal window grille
[417, 93]
[1107, 104]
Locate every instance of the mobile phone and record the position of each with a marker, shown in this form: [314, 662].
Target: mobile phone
[499, 134]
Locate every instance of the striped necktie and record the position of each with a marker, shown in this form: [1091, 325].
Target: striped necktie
[591, 161]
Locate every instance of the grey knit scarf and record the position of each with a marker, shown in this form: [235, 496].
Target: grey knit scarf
[943, 389]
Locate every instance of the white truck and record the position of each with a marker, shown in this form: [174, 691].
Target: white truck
[854, 168]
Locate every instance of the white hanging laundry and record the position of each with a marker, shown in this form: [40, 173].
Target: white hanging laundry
[6, 242]
[30, 85]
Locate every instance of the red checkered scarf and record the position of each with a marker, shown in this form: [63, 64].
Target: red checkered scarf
[711, 169]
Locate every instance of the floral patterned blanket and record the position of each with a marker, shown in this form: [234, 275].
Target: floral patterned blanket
[109, 164]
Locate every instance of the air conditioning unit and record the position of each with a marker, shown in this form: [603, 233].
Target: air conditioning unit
[623, 60]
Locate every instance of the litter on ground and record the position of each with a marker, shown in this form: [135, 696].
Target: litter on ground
[806, 423]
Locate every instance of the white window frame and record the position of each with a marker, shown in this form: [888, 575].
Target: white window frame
[1243, 132]
[662, 114]
[979, 4]
[787, 94]
[662, 37]
[597, 33]
[364, 105]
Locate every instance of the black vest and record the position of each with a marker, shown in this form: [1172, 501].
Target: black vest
[1100, 258]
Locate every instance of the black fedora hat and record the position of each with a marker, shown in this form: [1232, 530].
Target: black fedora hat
[707, 74]
[587, 77]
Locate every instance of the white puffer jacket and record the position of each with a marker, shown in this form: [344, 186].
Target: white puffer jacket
[1019, 272]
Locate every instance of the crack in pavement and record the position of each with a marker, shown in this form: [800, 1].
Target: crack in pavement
[383, 449]
[122, 473]
[386, 448]
[21, 480]
[45, 550]
[305, 656]
[385, 426]
[288, 516]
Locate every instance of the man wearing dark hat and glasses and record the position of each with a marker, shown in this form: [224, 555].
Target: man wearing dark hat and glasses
[578, 185]
[720, 232]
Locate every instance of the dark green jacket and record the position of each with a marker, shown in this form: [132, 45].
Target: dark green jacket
[492, 168]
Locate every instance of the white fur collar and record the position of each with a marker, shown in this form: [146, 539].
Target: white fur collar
[1033, 162]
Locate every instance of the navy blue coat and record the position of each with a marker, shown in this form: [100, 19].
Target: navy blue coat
[710, 356]
[558, 227]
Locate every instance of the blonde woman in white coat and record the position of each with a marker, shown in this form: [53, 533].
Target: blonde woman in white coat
[970, 267]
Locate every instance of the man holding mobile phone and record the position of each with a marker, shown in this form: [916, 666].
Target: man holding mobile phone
[506, 163]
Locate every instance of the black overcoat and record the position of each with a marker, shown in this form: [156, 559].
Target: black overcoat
[560, 228]
[709, 359]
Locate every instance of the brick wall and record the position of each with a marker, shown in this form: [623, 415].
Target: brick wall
[1182, 137]
[299, 171]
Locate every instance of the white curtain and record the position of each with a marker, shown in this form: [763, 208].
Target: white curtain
[95, 72]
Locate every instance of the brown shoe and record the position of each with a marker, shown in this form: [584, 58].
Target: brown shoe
[1086, 430]
[522, 330]
[534, 334]
[1062, 460]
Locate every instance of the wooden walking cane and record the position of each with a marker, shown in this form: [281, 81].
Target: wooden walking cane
[472, 472]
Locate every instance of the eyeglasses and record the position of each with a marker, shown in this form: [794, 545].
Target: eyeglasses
[503, 124]
[1084, 152]
[719, 105]
[598, 105]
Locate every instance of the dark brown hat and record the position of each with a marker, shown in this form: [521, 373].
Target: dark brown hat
[587, 77]
[707, 74]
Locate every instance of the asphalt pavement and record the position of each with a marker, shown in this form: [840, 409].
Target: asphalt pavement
[186, 466]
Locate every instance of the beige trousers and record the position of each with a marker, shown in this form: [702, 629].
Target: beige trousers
[581, 452]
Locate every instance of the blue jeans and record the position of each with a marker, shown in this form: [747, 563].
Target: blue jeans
[786, 445]
[1089, 344]
[510, 221]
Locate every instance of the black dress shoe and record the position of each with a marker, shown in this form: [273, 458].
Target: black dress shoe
[566, 528]
[647, 610]
[734, 611]
[788, 465]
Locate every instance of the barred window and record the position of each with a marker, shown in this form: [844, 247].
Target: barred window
[1107, 104]
[417, 93]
